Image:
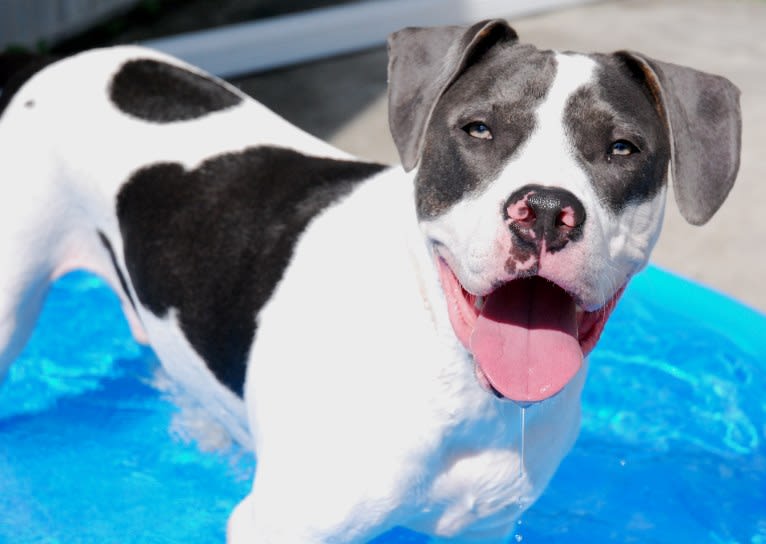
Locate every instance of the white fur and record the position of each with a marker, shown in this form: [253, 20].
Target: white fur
[363, 408]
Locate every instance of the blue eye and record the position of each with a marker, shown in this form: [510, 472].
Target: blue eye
[479, 130]
[623, 148]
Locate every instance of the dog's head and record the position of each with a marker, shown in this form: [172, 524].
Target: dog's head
[540, 182]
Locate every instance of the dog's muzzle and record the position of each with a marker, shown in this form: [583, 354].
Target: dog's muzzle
[528, 336]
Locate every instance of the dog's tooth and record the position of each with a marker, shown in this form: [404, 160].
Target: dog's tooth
[478, 303]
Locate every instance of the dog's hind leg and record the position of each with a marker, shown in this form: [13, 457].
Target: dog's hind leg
[54, 217]
[21, 299]
[32, 257]
[25, 270]
[46, 229]
[29, 242]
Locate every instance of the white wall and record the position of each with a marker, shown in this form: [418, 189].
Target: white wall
[268, 43]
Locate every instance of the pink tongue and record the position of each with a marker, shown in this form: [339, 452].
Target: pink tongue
[525, 340]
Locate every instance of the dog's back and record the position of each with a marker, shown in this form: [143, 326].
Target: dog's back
[183, 193]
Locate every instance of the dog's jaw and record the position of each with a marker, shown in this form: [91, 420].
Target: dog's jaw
[528, 337]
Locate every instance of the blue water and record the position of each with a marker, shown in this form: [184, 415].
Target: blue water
[672, 449]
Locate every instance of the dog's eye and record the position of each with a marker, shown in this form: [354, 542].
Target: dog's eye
[623, 148]
[479, 130]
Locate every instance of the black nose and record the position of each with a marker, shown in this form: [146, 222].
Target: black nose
[540, 215]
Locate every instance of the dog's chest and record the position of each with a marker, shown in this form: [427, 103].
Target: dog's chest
[480, 492]
[484, 481]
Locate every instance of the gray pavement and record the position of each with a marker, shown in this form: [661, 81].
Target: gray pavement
[343, 100]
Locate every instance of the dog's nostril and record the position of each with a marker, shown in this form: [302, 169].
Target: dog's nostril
[521, 212]
[567, 218]
[556, 208]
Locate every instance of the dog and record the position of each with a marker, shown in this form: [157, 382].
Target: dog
[374, 333]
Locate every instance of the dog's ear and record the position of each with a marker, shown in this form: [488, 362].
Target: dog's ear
[702, 116]
[422, 63]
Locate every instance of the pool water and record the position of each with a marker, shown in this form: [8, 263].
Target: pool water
[672, 447]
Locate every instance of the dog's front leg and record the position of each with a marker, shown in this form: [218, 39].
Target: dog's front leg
[330, 484]
[283, 515]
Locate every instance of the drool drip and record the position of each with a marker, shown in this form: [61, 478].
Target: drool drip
[522, 446]
[523, 420]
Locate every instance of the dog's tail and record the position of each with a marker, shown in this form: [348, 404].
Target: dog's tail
[16, 67]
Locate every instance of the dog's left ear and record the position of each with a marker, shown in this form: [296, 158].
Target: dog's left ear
[702, 115]
[422, 63]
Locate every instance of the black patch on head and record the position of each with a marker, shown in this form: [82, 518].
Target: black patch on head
[124, 284]
[213, 242]
[619, 106]
[162, 93]
[501, 90]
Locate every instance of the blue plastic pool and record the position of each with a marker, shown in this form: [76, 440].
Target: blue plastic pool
[672, 448]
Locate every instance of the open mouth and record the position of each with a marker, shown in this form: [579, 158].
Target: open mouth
[528, 337]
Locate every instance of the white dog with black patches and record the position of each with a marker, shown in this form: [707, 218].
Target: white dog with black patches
[372, 332]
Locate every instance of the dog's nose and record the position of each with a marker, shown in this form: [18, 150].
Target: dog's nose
[540, 215]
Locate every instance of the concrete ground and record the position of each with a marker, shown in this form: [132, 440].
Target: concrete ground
[343, 101]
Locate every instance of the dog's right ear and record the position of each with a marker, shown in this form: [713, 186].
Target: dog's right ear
[422, 63]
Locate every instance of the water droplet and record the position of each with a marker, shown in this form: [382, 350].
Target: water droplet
[622, 462]
[518, 537]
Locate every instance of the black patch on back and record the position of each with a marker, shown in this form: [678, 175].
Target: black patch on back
[124, 284]
[502, 90]
[16, 68]
[162, 93]
[213, 242]
[619, 106]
